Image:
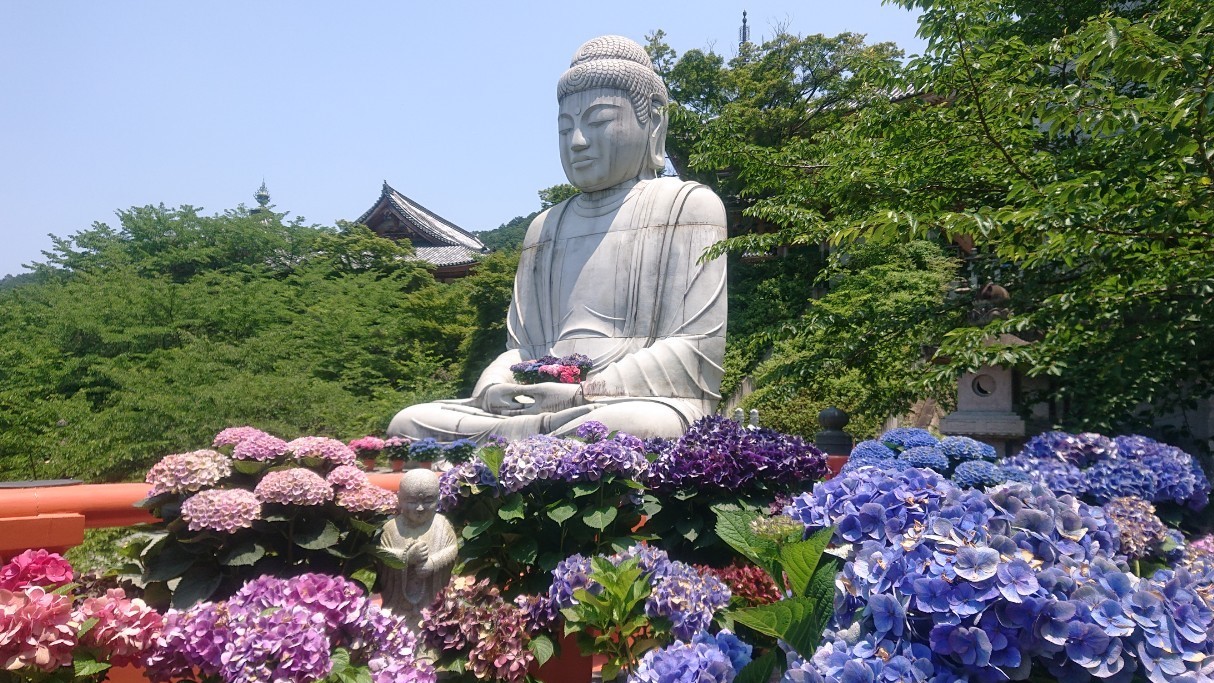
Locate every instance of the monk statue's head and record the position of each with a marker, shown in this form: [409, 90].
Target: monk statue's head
[612, 116]
[418, 496]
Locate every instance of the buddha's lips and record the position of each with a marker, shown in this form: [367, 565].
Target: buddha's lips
[579, 163]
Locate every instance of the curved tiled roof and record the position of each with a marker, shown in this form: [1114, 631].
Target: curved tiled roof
[426, 223]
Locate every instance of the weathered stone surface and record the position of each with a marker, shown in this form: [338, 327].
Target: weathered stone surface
[613, 273]
[424, 540]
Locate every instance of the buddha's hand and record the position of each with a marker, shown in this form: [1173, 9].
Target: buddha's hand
[531, 399]
[418, 554]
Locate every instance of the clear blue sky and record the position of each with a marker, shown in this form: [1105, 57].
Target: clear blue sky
[108, 105]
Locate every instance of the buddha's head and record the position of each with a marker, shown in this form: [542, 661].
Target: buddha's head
[418, 496]
[612, 118]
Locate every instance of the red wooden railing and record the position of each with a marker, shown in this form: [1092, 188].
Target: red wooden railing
[54, 515]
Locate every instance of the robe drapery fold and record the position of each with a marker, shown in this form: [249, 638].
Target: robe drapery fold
[625, 286]
[671, 310]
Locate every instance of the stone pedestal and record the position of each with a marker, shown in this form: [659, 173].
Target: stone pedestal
[984, 409]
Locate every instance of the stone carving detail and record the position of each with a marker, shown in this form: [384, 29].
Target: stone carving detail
[424, 540]
[613, 273]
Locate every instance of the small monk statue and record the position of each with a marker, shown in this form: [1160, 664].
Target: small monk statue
[614, 273]
[424, 540]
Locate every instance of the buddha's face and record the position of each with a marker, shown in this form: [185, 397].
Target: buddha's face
[602, 142]
[418, 505]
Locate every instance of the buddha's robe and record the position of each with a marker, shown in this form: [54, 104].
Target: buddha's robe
[623, 284]
[406, 591]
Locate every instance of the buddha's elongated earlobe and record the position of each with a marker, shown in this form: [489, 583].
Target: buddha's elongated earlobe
[658, 122]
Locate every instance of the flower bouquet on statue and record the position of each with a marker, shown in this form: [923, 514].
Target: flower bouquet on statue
[569, 369]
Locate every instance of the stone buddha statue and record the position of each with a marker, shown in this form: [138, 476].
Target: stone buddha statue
[614, 273]
[424, 541]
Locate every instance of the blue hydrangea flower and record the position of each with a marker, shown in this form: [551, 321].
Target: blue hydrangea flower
[977, 473]
[961, 448]
[927, 457]
[901, 438]
[873, 449]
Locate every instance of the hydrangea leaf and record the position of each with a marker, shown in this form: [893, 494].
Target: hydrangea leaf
[791, 620]
[600, 517]
[84, 664]
[562, 512]
[524, 551]
[733, 526]
[317, 536]
[476, 528]
[758, 670]
[492, 456]
[244, 554]
[512, 508]
[196, 585]
[800, 559]
[542, 647]
[688, 528]
[172, 561]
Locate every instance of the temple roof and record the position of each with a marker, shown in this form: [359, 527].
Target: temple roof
[431, 232]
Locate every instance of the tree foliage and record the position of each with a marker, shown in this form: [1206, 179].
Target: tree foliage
[1064, 148]
[148, 338]
[1073, 151]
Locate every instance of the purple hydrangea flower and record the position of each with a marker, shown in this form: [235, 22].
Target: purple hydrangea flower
[718, 454]
[223, 510]
[367, 498]
[323, 448]
[260, 447]
[592, 431]
[680, 662]
[294, 486]
[232, 436]
[188, 472]
[993, 585]
[346, 476]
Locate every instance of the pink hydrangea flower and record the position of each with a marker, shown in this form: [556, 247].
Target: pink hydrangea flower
[296, 486]
[367, 498]
[261, 447]
[35, 568]
[346, 477]
[232, 436]
[368, 444]
[124, 629]
[224, 510]
[36, 629]
[321, 447]
[188, 472]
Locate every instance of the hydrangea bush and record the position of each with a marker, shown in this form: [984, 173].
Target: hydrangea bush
[49, 632]
[307, 628]
[472, 629]
[1098, 469]
[716, 461]
[528, 504]
[950, 584]
[706, 659]
[625, 604]
[257, 505]
[968, 462]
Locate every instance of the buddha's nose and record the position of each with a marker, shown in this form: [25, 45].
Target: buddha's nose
[578, 141]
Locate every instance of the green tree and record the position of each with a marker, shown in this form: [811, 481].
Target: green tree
[1072, 150]
[147, 339]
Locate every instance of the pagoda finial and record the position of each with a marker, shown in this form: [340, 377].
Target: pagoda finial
[262, 195]
[744, 32]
